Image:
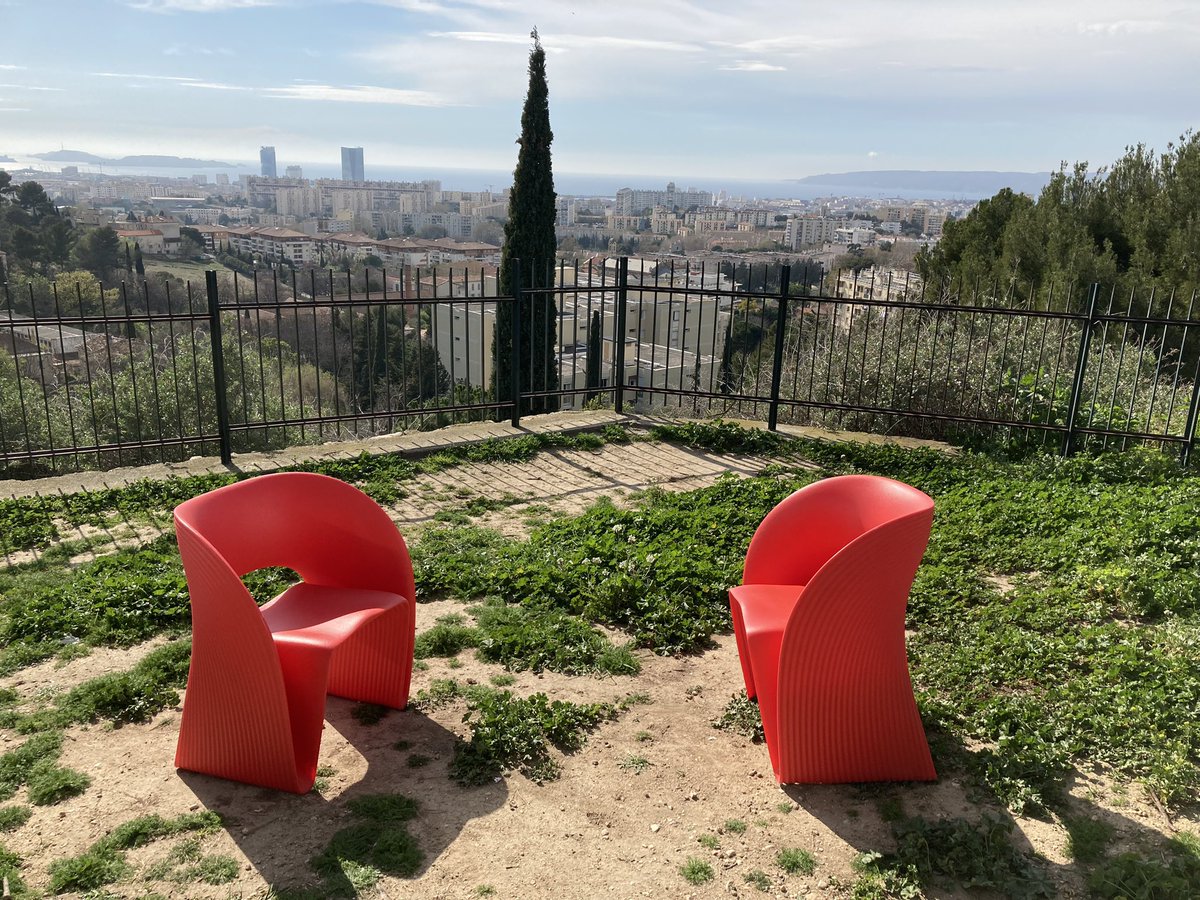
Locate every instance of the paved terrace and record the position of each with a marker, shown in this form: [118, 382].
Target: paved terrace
[559, 474]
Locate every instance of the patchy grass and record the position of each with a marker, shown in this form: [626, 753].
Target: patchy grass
[741, 716]
[510, 732]
[104, 862]
[377, 843]
[796, 861]
[696, 871]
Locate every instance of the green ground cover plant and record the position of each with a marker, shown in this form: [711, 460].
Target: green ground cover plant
[510, 732]
[376, 843]
[1055, 623]
[105, 863]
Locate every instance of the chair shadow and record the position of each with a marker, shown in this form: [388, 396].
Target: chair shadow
[280, 832]
[856, 814]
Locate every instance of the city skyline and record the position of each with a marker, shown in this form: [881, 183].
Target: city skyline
[682, 87]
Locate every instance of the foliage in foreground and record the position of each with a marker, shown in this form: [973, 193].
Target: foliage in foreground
[510, 732]
[104, 862]
[377, 843]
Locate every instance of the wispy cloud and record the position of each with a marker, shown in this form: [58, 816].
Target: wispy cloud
[4, 109]
[169, 6]
[570, 41]
[794, 43]
[30, 87]
[10, 68]
[189, 50]
[751, 65]
[358, 93]
[216, 86]
[1123, 26]
[144, 77]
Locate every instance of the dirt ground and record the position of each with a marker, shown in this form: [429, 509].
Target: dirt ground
[625, 814]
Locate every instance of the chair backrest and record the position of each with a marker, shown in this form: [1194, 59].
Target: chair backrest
[806, 530]
[326, 530]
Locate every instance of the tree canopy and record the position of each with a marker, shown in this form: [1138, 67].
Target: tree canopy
[1135, 225]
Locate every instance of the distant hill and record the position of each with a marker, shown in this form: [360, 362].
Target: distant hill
[69, 156]
[6, 159]
[183, 162]
[979, 184]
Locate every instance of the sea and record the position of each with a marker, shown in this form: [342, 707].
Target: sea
[578, 184]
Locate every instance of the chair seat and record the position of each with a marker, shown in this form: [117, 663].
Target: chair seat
[320, 616]
[765, 608]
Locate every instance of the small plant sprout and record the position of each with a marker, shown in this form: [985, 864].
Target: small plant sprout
[696, 871]
[708, 841]
[796, 861]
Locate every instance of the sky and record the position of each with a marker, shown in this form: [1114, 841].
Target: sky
[685, 88]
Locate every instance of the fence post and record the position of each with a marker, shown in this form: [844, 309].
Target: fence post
[785, 277]
[218, 359]
[1085, 341]
[515, 359]
[619, 337]
[1189, 429]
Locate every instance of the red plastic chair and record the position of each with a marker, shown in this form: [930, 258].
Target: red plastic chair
[819, 622]
[255, 699]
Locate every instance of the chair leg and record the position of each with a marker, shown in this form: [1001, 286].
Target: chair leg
[739, 633]
[306, 678]
[374, 665]
[236, 724]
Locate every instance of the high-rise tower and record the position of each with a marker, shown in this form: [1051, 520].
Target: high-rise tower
[266, 157]
[352, 164]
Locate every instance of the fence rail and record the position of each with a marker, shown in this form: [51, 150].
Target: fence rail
[153, 370]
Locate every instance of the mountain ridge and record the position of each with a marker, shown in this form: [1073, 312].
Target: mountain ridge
[966, 181]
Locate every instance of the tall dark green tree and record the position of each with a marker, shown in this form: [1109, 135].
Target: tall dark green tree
[139, 264]
[529, 243]
[98, 252]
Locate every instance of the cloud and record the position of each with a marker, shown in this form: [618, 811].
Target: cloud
[794, 43]
[358, 93]
[8, 67]
[30, 87]
[569, 41]
[751, 65]
[4, 109]
[144, 77]
[185, 49]
[169, 6]
[215, 86]
[871, 154]
[1123, 26]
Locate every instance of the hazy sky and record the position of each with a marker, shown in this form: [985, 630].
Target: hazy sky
[743, 89]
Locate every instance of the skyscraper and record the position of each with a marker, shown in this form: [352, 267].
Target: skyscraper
[294, 172]
[266, 156]
[352, 164]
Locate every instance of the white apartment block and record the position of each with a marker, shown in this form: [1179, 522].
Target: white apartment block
[632, 202]
[802, 231]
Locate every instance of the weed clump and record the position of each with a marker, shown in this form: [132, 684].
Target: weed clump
[510, 732]
[378, 843]
[741, 716]
[104, 862]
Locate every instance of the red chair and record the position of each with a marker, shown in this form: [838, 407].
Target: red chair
[255, 701]
[819, 622]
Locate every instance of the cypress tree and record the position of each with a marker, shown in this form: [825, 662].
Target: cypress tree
[138, 265]
[529, 242]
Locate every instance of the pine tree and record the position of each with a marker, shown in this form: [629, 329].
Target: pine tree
[529, 242]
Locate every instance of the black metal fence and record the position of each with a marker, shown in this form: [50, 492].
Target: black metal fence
[154, 370]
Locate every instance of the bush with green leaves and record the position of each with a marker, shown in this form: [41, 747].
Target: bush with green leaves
[510, 732]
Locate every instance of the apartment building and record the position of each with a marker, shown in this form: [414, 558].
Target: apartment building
[803, 231]
[631, 202]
